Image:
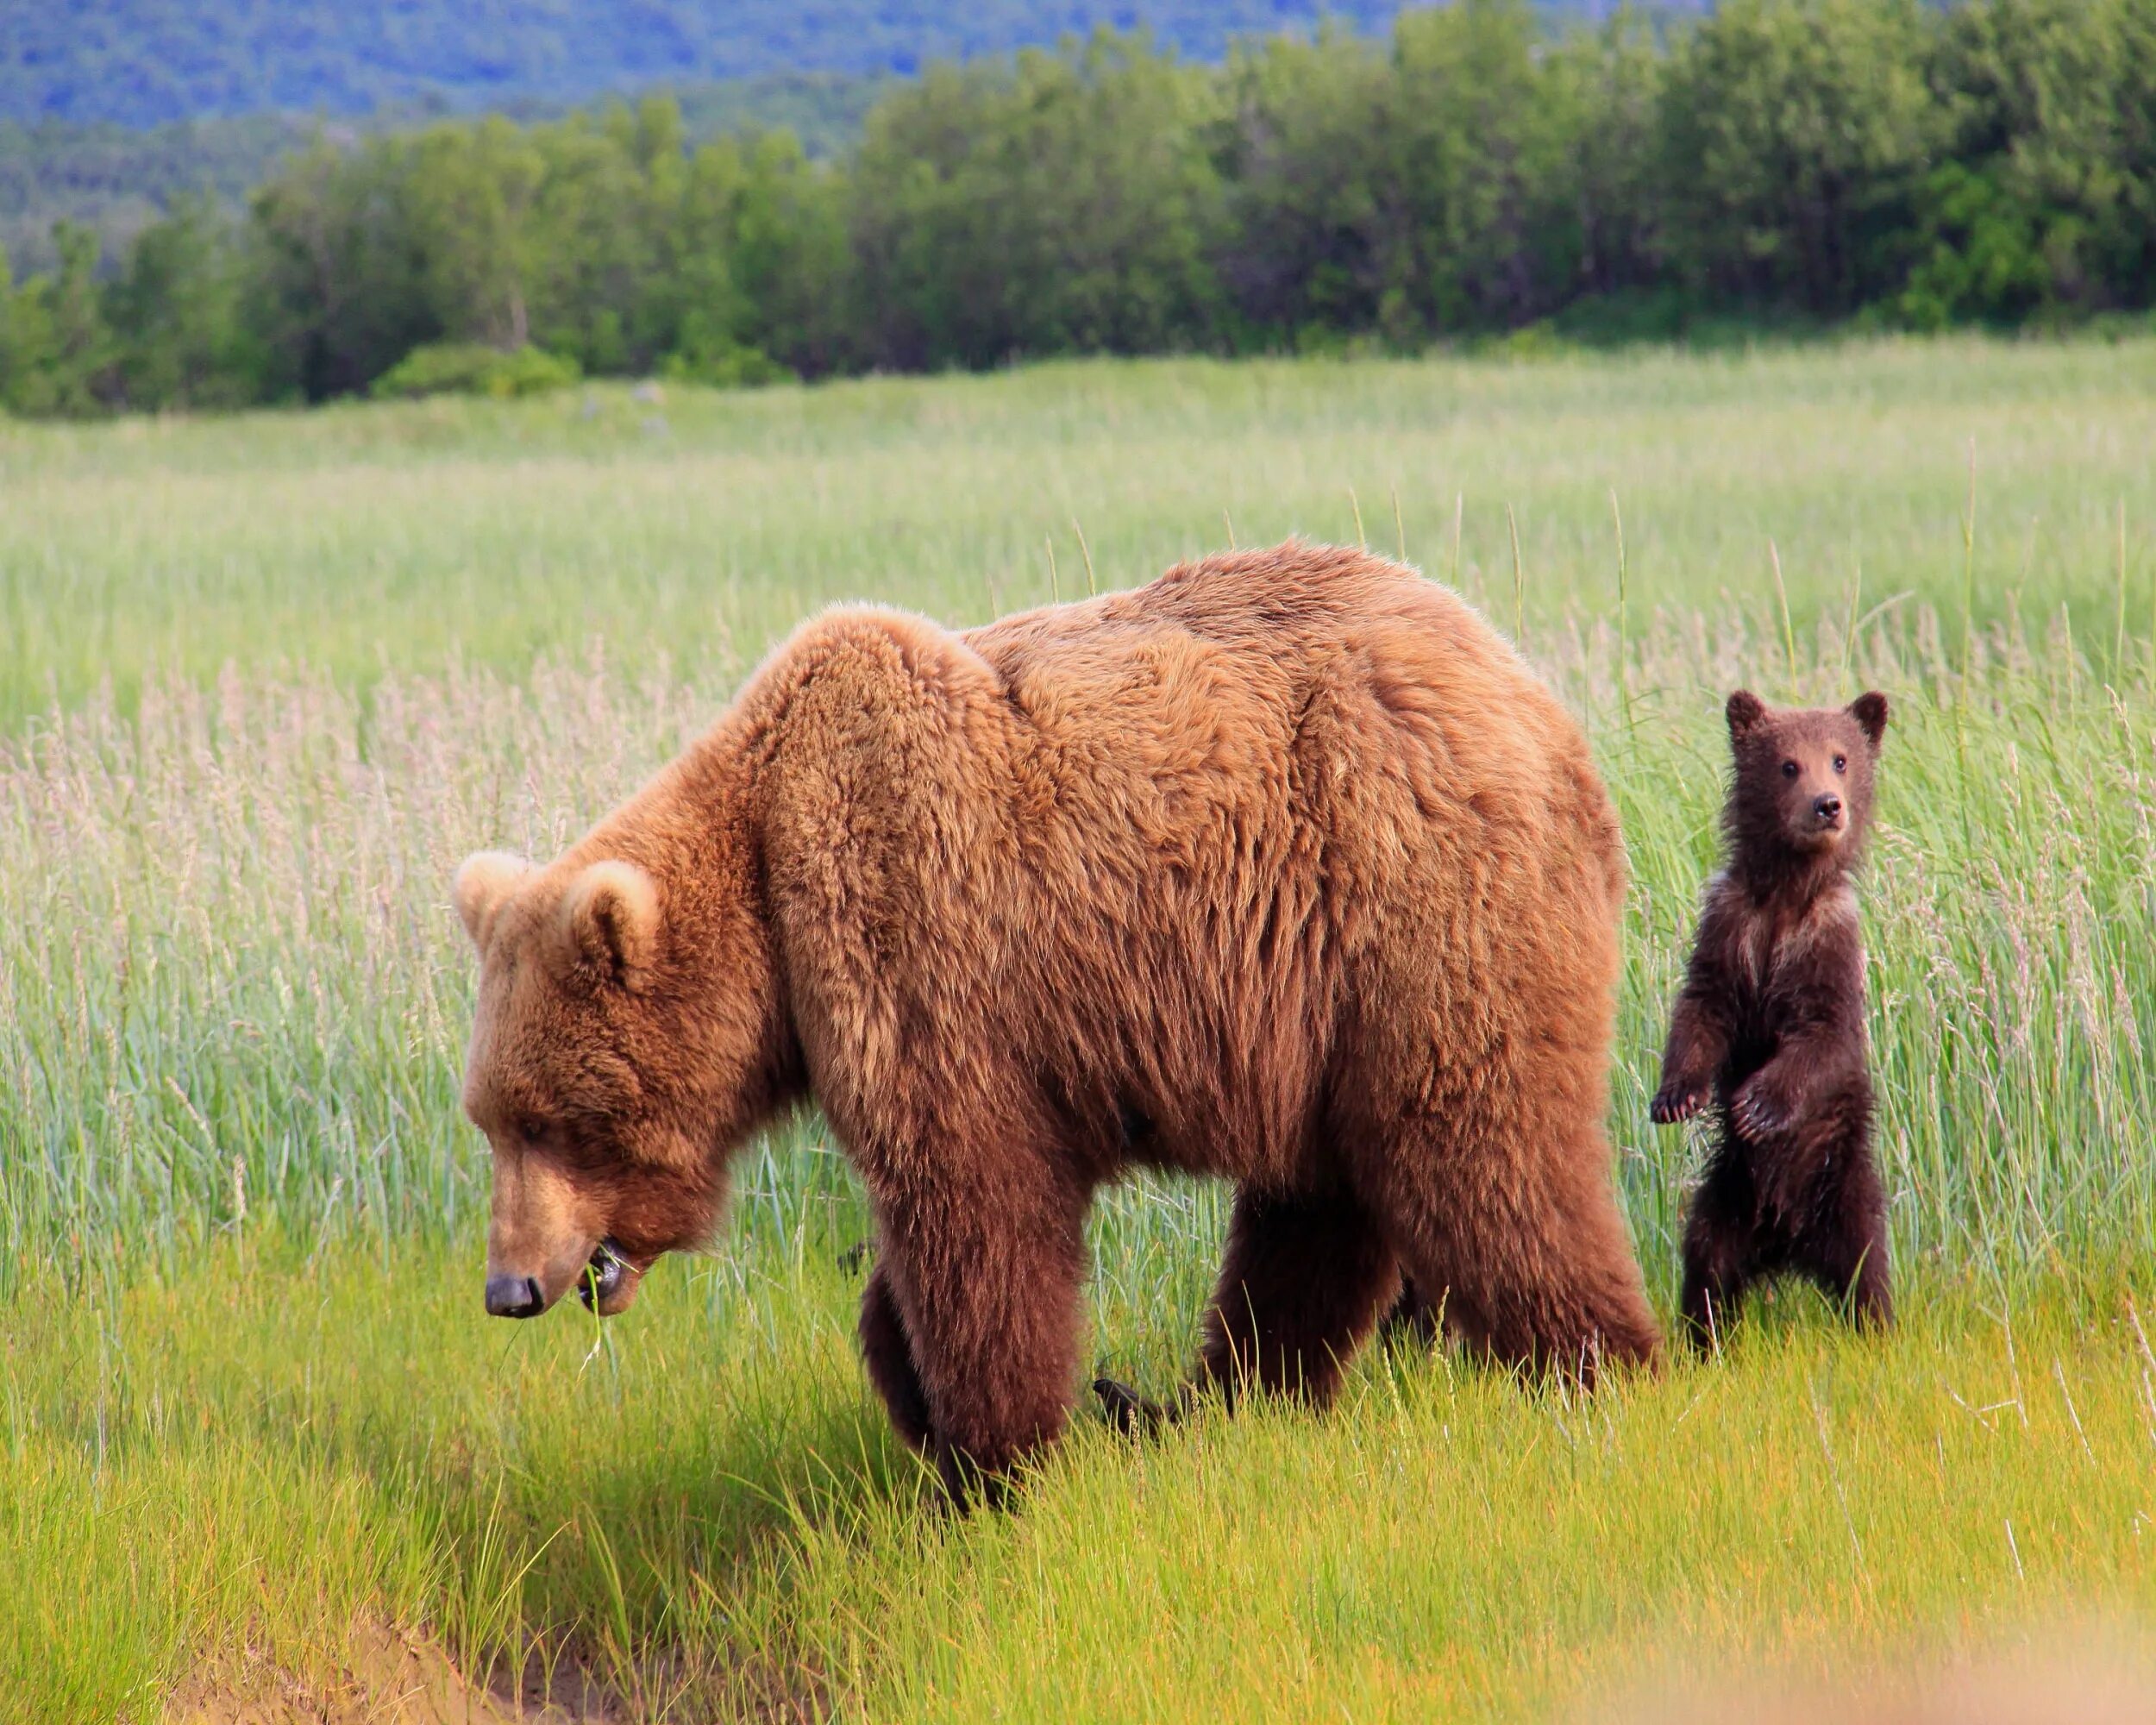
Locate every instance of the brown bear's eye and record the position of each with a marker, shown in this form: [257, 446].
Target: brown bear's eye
[1788, 769]
[1841, 763]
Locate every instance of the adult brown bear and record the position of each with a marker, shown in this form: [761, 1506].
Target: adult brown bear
[1283, 868]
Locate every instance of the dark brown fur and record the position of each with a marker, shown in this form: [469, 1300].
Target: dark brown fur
[1771, 1024]
[1282, 868]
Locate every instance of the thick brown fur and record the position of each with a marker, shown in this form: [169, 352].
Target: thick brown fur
[1770, 1026]
[1282, 868]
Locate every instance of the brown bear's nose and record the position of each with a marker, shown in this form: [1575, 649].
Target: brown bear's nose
[1828, 807]
[514, 1296]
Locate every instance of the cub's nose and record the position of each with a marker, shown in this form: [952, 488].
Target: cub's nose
[514, 1296]
[1827, 808]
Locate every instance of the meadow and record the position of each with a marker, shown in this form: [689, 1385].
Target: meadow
[263, 680]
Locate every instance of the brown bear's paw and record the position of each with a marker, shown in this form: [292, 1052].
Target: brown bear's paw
[1129, 1413]
[1676, 1101]
[1758, 1110]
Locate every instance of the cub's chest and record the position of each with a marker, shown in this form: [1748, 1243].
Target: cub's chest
[1774, 951]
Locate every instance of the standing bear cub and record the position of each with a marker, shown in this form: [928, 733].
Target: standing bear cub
[1282, 868]
[1770, 1021]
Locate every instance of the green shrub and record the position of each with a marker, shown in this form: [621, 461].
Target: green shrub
[473, 368]
[725, 365]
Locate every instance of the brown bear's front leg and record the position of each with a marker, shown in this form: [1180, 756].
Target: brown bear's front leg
[1303, 1282]
[1699, 1041]
[985, 1275]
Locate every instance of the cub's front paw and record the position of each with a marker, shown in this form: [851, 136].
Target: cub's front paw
[1676, 1101]
[1758, 1111]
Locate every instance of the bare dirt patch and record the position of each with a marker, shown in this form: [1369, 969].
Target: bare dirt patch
[390, 1677]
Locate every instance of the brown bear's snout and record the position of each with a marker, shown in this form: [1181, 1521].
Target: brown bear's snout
[1827, 810]
[514, 1296]
[541, 1237]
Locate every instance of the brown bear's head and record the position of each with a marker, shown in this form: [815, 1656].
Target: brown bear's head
[611, 1075]
[1801, 792]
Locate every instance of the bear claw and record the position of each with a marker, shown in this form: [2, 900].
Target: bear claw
[1755, 1114]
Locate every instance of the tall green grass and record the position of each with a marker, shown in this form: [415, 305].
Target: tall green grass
[361, 539]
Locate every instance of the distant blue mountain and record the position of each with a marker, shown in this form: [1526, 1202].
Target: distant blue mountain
[148, 62]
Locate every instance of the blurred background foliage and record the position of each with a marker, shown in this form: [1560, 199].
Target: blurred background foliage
[1484, 170]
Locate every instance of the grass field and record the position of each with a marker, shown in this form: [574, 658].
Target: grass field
[262, 682]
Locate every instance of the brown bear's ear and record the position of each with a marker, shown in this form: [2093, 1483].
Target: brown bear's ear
[1870, 711]
[1745, 710]
[483, 881]
[610, 915]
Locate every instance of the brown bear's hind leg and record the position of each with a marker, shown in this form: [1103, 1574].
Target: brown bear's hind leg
[890, 1362]
[1533, 1277]
[1721, 1251]
[1303, 1282]
[1845, 1251]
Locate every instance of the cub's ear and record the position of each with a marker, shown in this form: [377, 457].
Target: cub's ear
[610, 916]
[483, 881]
[1745, 712]
[1870, 711]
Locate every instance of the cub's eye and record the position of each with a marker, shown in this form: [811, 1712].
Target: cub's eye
[1841, 763]
[1788, 769]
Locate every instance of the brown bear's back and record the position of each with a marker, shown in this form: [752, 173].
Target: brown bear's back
[1183, 856]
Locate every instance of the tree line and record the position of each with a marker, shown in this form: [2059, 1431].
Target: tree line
[119, 180]
[1779, 161]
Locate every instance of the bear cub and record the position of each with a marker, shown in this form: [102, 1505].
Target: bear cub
[1769, 1024]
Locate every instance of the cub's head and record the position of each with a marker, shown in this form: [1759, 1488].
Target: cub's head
[1803, 787]
[610, 1077]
